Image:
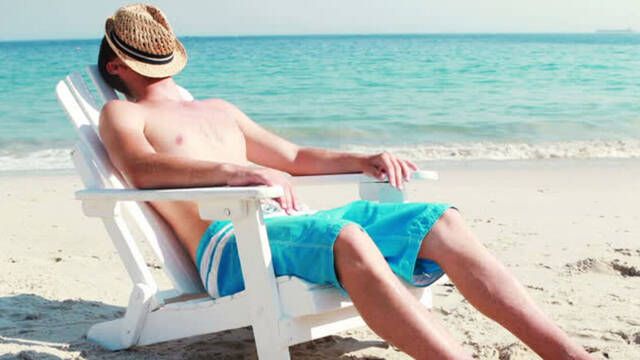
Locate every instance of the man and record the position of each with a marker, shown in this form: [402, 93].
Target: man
[159, 140]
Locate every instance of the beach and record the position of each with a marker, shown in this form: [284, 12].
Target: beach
[568, 229]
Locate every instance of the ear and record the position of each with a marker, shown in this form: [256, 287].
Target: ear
[115, 66]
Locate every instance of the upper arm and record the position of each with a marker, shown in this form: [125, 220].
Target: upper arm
[264, 147]
[122, 133]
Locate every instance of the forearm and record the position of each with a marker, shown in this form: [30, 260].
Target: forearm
[168, 171]
[315, 161]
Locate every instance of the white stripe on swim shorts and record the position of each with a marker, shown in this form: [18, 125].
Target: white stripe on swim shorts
[206, 254]
[210, 282]
[212, 285]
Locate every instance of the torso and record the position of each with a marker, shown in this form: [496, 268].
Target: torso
[199, 130]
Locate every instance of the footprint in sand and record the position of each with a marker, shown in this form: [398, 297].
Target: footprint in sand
[589, 265]
[625, 269]
[533, 287]
[614, 267]
[512, 351]
[627, 252]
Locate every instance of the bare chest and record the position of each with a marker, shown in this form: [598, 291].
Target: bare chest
[197, 134]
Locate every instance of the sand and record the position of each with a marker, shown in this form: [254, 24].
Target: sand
[569, 230]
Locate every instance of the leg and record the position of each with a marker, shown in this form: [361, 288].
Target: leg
[489, 287]
[385, 304]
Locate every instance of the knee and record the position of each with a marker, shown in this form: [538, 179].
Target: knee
[450, 221]
[352, 246]
[446, 233]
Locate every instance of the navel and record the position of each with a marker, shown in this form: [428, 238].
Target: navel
[179, 140]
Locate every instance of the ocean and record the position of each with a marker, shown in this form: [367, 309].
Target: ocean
[425, 97]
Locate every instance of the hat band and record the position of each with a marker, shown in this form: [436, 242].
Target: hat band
[140, 55]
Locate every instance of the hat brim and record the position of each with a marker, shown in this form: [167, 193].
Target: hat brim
[171, 68]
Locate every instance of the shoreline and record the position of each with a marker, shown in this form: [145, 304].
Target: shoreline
[568, 230]
[449, 164]
[58, 158]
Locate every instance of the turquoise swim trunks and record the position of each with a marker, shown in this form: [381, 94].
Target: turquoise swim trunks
[302, 245]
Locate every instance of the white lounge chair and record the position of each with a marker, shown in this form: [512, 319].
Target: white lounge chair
[282, 311]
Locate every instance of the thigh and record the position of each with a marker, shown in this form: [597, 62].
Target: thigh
[303, 246]
[392, 226]
[398, 230]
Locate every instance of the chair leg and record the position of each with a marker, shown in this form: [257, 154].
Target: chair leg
[123, 333]
[260, 282]
[265, 346]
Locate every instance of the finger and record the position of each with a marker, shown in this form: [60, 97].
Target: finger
[406, 170]
[281, 201]
[390, 170]
[294, 200]
[412, 165]
[287, 193]
[379, 173]
[398, 172]
[292, 196]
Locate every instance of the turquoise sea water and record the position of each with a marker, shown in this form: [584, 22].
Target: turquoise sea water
[424, 96]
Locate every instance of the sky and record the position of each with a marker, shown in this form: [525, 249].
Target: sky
[65, 19]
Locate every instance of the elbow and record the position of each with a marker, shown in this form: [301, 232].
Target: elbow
[296, 158]
[140, 176]
[141, 183]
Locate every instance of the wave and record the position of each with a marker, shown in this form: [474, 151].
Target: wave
[596, 149]
[59, 158]
[46, 159]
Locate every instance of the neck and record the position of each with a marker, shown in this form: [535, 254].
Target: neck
[156, 90]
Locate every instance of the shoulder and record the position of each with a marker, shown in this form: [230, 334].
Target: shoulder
[118, 114]
[114, 110]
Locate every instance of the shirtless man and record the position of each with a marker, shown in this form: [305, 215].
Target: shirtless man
[160, 141]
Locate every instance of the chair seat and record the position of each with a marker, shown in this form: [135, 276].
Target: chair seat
[302, 298]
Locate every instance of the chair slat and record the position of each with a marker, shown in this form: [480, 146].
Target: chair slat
[84, 98]
[105, 91]
[87, 133]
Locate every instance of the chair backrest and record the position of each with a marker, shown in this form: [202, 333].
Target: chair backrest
[96, 170]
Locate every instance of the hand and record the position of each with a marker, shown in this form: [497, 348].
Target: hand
[397, 171]
[270, 177]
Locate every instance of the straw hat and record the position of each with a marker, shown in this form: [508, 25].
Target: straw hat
[141, 37]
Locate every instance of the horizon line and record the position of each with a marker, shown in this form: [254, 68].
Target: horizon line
[594, 32]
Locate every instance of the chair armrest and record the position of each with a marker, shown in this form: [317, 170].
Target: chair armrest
[182, 194]
[233, 192]
[355, 178]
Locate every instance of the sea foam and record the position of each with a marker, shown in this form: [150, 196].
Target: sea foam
[617, 149]
[59, 158]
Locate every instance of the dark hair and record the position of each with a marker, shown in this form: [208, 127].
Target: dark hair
[105, 55]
